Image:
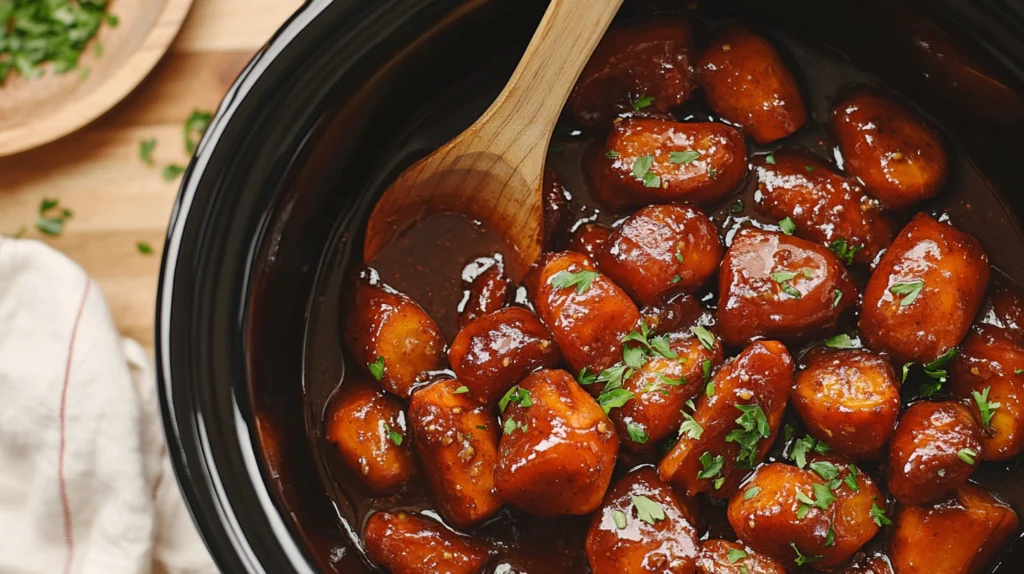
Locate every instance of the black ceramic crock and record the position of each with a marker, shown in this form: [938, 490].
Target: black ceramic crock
[318, 124]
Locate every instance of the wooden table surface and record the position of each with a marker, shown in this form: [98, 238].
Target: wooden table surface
[116, 199]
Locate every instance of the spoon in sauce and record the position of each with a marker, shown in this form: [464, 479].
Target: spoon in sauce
[493, 171]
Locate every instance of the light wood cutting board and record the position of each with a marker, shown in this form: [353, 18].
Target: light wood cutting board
[116, 199]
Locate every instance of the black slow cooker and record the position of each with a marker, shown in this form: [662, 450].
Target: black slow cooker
[350, 92]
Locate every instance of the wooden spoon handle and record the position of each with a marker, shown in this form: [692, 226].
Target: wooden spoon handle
[540, 85]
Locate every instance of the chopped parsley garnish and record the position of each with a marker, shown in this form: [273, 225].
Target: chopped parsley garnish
[841, 341]
[585, 377]
[481, 427]
[683, 157]
[906, 371]
[196, 125]
[985, 406]
[690, 427]
[839, 297]
[736, 207]
[377, 368]
[800, 558]
[146, 148]
[611, 154]
[712, 172]
[1018, 371]
[461, 390]
[705, 337]
[705, 365]
[802, 446]
[844, 251]
[51, 222]
[394, 436]
[613, 399]
[144, 248]
[712, 465]
[851, 478]
[636, 433]
[677, 279]
[581, 280]
[787, 226]
[34, 33]
[517, 395]
[172, 171]
[642, 102]
[634, 357]
[910, 290]
[830, 537]
[937, 372]
[619, 518]
[826, 470]
[753, 427]
[783, 278]
[647, 510]
[735, 555]
[770, 158]
[642, 171]
[967, 455]
[511, 425]
[878, 515]
[809, 167]
[751, 492]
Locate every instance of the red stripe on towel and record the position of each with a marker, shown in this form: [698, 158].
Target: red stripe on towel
[68, 534]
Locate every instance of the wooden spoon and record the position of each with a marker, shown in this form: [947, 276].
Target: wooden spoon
[493, 171]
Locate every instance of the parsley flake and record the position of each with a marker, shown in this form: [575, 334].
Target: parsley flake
[683, 157]
[878, 515]
[581, 280]
[844, 251]
[642, 102]
[985, 407]
[770, 158]
[377, 368]
[753, 427]
[517, 395]
[801, 559]
[461, 390]
[611, 154]
[751, 492]
[394, 436]
[735, 555]
[841, 341]
[619, 518]
[690, 427]
[705, 337]
[967, 455]
[712, 465]
[196, 125]
[647, 510]
[144, 248]
[636, 433]
[146, 148]
[909, 289]
[642, 171]
[787, 226]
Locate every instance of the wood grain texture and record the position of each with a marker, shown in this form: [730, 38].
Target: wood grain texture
[96, 172]
[493, 170]
[34, 112]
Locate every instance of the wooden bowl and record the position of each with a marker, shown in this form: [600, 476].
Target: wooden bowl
[35, 112]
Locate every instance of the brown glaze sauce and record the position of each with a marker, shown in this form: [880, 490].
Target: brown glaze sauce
[433, 261]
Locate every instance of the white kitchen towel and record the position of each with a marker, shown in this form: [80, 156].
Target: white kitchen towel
[85, 481]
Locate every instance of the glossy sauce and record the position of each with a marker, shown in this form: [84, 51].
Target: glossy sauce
[433, 261]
